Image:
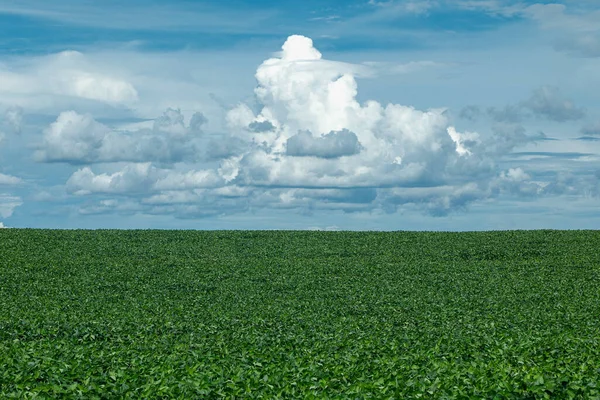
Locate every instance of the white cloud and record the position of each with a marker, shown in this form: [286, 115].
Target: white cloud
[191, 17]
[460, 139]
[515, 175]
[299, 48]
[139, 178]
[97, 87]
[73, 137]
[2, 226]
[78, 138]
[132, 179]
[178, 79]
[76, 77]
[307, 144]
[305, 99]
[68, 73]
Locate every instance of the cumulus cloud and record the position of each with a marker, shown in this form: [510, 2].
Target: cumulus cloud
[306, 144]
[516, 182]
[96, 87]
[73, 137]
[133, 178]
[78, 138]
[311, 105]
[138, 178]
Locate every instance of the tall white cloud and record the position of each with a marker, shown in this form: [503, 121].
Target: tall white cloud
[302, 94]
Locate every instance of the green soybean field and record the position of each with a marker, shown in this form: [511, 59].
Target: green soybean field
[297, 314]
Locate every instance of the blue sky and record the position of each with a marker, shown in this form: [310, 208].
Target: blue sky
[379, 115]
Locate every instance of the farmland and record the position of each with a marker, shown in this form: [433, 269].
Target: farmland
[255, 314]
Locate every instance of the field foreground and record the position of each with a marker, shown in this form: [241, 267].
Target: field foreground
[190, 314]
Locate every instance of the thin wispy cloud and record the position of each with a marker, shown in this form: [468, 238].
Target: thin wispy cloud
[205, 17]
